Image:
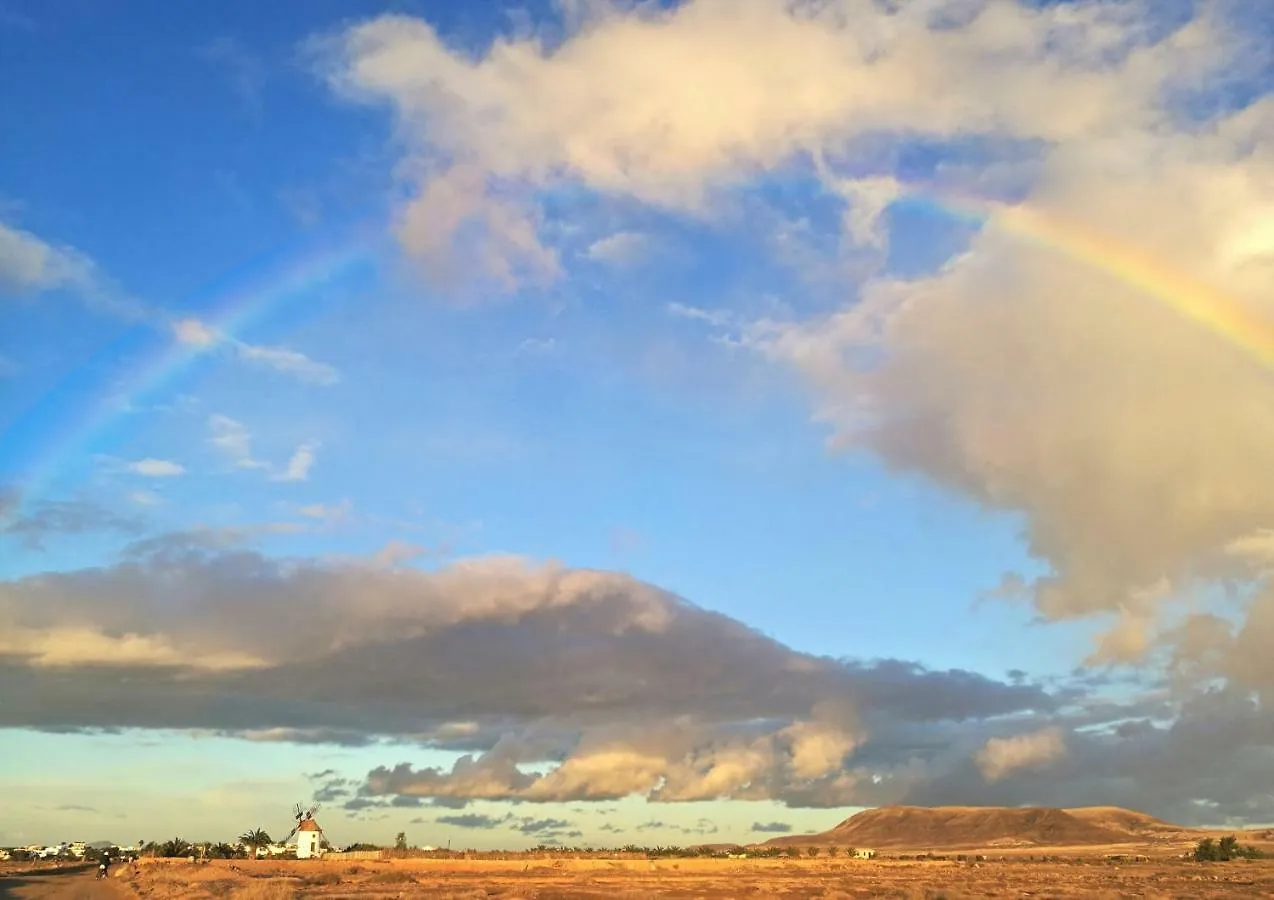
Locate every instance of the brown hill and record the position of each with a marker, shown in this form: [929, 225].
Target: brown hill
[898, 827]
[1135, 823]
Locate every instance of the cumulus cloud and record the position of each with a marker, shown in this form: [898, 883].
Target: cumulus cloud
[552, 683]
[1003, 755]
[1126, 435]
[648, 128]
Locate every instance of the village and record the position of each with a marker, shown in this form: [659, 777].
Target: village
[307, 840]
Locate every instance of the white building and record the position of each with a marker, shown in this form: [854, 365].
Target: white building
[307, 839]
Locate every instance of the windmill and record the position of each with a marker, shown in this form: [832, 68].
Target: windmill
[309, 835]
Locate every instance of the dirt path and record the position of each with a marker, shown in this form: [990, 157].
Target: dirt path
[59, 884]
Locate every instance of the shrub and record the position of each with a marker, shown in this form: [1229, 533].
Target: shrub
[1224, 850]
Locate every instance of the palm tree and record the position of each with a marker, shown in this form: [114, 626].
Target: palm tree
[255, 840]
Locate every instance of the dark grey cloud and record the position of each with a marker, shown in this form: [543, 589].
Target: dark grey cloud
[569, 685]
[472, 820]
[771, 827]
[535, 826]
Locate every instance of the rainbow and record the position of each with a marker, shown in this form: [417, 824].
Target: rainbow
[79, 417]
[1204, 304]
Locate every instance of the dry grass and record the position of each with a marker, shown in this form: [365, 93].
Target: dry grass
[705, 879]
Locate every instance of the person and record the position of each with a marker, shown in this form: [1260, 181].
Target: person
[103, 867]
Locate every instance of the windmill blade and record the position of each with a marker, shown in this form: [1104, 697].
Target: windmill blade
[296, 812]
[294, 830]
[322, 835]
[313, 809]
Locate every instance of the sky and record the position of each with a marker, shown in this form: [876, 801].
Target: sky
[594, 422]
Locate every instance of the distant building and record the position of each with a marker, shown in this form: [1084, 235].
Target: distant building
[864, 854]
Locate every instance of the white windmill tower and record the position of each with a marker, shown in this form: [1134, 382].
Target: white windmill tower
[309, 836]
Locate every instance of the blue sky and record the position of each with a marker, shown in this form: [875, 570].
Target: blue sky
[671, 326]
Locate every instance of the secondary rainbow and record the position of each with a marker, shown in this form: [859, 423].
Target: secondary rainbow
[71, 422]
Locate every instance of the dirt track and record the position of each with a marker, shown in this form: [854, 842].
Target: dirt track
[595, 879]
[69, 883]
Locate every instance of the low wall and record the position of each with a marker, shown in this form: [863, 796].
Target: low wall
[355, 854]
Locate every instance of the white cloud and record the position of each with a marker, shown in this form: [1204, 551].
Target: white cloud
[537, 346]
[28, 263]
[157, 468]
[327, 513]
[194, 333]
[624, 248]
[298, 467]
[146, 498]
[290, 362]
[234, 440]
[620, 105]
[718, 317]
[1001, 756]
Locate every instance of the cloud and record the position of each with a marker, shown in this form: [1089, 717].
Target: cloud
[771, 827]
[712, 317]
[1003, 755]
[29, 264]
[200, 335]
[68, 647]
[537, 346]
[624, 248]
[330, 514]
[535, 826]
[234, 440]
[472, 820]
[146, 498]
[1134, 474]
[195, 333]
[561, 683]
[290, 362]
[299, 464]
[646, 131]
[247, 74]
[156, 468]
[32, 523]
[555, 684]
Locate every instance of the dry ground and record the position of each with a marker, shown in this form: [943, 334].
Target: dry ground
[44, 881]
[710, 879]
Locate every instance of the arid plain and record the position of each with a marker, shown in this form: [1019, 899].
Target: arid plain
[577, 879]
[945, 852]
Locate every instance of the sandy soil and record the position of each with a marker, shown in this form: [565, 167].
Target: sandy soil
[707, 879]
[27, 881]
